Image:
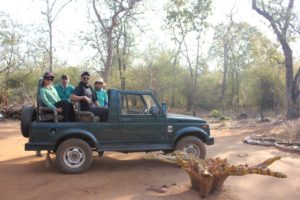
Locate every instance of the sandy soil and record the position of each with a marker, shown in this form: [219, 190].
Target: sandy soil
[127, 176]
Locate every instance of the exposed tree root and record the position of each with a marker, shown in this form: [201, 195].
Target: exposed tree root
[208, 176]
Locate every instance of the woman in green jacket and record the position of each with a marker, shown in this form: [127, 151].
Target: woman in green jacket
[50, 98]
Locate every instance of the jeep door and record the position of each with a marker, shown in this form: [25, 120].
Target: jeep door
[137, 123]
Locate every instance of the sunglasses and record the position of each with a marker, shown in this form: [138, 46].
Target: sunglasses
[49, 79]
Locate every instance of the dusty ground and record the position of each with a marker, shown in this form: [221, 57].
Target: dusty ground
[127, 176]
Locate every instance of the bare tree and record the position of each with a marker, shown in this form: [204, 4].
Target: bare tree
[178, 39]
[9, 41]
[280, 18]
[220, 48]
[124, 42]
[119, 9]
[186, 18]
[20, 55]
[53, 9]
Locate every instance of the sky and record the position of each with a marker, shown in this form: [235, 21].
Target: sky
[73, 20]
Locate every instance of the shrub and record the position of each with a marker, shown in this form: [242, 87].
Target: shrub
[217, 114]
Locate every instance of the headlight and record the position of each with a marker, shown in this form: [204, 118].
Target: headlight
[206, 126]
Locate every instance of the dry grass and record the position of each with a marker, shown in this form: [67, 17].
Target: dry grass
[287, 132]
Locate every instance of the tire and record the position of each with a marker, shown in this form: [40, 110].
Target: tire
[80, 150]
[100, 153]
[193, 145]
[26, 119]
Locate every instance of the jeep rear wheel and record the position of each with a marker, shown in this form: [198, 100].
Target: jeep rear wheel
[193, 145]
[74, 156]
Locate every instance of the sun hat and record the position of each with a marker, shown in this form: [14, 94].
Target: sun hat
[48, 75]
[99, 80]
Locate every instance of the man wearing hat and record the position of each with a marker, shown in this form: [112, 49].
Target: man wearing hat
[101, 92]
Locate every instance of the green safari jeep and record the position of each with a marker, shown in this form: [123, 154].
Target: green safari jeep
[136, 122]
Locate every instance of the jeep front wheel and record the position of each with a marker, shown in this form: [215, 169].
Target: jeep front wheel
[74, 156]
[193, 145]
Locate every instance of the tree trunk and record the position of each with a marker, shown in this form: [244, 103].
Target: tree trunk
[292, 111]
[237, 90]
[194, 94]
[109, 56]
[224, 81]
[122, 76]
[122, 69]
[189, 101]
[123, 83]
[174, 79]
[50, 48]
[174, 72]
[291, 105]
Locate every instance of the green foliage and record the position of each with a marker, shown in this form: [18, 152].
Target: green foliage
[217, 114]
[188, 15]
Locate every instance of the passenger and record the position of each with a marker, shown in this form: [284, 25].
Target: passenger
[101, 93]
[50, 98]
[64, 89]
[86, 96]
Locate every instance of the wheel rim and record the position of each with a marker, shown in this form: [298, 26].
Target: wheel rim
[192, 149]
[74, 157]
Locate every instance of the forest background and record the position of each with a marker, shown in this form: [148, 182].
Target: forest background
[193, 54]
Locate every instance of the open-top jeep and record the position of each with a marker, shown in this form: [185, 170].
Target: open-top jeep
[136, 123]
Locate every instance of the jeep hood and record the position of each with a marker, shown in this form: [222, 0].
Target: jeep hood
[171, 117]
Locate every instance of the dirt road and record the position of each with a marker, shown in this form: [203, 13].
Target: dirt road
[128, 176]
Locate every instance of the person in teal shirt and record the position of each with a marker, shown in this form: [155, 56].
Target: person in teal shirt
[64, 89]
[50, 98]
[101, 93]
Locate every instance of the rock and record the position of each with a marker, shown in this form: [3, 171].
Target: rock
[278, 122]
[242, 115]
[262, 142]
[220, 126]
[262, 120]
[242, 154]
[159, 189]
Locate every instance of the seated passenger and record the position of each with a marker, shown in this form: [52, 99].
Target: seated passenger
[50, 98]
[64, 89]
[101, 93]
[86, 96]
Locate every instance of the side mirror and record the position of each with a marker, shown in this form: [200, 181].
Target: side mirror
[154, 110]
[164, 107]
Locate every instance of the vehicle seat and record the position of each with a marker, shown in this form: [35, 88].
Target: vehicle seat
[44, 113]
[85, 116]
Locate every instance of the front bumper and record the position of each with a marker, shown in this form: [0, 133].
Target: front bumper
[38, 146]
[210, 141]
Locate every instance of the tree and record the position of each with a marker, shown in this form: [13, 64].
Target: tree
[220, 50]
[124, 44]
[188, 18]
[280, 17]
[159, 67]
[20, 56]
[10, 39]
[231, 48]
[117, 11]
[51, 12]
